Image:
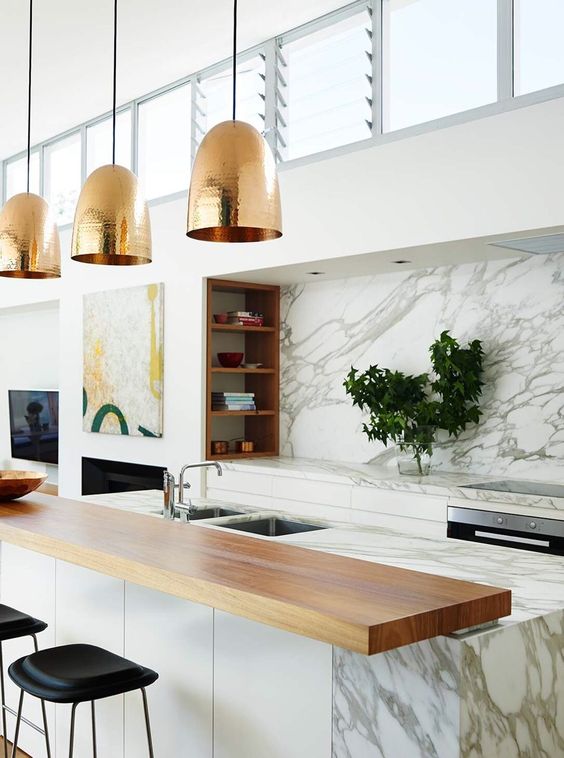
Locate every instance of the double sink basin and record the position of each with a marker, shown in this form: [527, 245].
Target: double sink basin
[264, 526]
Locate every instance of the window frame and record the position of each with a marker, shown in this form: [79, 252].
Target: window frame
[274, 83]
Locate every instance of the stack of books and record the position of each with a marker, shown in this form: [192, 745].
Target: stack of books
[245, 318]
[233, 401]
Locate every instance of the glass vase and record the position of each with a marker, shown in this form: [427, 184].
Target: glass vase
[414, 452]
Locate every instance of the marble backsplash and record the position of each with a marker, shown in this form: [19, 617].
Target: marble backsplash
[515, 307]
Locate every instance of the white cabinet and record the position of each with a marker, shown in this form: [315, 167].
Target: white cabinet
[27, 582]
[272, 692]
[175, 638]
[228, 687]
[89, 609]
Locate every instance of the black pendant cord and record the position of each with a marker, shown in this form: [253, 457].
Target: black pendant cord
[29, 93]
[234, 58]
[114, 85]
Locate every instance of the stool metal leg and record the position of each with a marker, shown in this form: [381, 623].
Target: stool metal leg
[3, 698]
[71, 739]
[18, 721]
[94, 750]
[43, 710]
[147, 723]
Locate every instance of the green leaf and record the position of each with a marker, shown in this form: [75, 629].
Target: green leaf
[401, 405]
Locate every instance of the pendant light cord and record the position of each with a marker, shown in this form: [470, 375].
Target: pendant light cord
[234, 58]
[29, 93]
[114, 84]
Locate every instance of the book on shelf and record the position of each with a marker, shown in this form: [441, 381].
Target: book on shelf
[245, 321]
[242, 396]
[234, 407]
[244, 314]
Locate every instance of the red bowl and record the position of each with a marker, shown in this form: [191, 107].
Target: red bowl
[230, 360]
[220, 318]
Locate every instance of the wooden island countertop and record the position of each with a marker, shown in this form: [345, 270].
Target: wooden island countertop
[363, 606]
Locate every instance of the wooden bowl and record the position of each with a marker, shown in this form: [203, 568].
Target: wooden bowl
[14, 484]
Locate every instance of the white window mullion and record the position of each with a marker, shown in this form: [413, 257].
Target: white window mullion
[505, 53]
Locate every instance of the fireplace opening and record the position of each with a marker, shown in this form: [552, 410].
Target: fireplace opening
[100, 476]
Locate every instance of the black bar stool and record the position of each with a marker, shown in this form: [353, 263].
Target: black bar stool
[77, 674]
[14, 624]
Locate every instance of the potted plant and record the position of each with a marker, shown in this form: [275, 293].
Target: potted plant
[408, 410]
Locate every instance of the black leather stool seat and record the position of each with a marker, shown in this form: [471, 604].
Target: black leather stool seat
[77, 673]
[15, 624]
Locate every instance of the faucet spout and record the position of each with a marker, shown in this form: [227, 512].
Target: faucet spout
[204, 464]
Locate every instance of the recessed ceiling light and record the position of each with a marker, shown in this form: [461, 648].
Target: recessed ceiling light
[316, 273]
[401, 262]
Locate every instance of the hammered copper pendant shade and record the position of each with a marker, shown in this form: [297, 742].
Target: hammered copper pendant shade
[29, 239]
[111, 222]
[234, 195]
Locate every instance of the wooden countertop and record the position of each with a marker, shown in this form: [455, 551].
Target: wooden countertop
[363, 606]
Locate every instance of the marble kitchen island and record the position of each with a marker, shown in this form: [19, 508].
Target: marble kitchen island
[447, 696]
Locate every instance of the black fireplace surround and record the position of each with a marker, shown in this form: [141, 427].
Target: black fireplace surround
[100, 476]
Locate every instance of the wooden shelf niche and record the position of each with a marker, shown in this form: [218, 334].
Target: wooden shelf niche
[259, 345]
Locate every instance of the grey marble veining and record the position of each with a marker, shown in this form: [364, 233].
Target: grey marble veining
[496, 695]
[512, 692]
[515, 307]
[404, 702]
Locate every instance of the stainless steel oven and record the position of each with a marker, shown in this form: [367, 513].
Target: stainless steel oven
[542, 535]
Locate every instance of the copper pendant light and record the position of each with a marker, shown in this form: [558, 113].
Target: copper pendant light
[111, 221]
[29, 238]
[234, 195]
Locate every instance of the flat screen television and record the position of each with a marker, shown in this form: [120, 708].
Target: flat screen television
[34, 425]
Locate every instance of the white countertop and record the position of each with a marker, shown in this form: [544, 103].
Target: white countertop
[536, 579]
[448, 484]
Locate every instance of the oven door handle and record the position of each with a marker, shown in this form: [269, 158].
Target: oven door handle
[511, 538]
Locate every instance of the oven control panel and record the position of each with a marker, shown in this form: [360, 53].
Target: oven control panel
[510, 522]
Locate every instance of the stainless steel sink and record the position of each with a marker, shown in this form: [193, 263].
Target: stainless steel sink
[203, 513]
[214, 513]
[272, 526]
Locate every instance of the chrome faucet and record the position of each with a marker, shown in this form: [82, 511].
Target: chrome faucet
[169, 508]
[182, 486]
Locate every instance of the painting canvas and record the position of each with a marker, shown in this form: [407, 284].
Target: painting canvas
[123, 361]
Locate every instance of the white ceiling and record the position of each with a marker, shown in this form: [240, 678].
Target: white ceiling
[159, 41]
[455, 252]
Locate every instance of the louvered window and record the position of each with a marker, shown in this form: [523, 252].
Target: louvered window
[213, 97]
[326, 90]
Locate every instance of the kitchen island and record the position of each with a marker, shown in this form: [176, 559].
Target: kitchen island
[422, 693]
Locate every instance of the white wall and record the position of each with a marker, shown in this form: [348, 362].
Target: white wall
[493, 176]
[29, 359]
[497, 175]
[183, 358]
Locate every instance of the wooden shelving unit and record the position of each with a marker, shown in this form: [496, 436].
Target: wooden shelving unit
[260, 344]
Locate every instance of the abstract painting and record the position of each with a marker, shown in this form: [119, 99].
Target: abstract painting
[123, 361]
